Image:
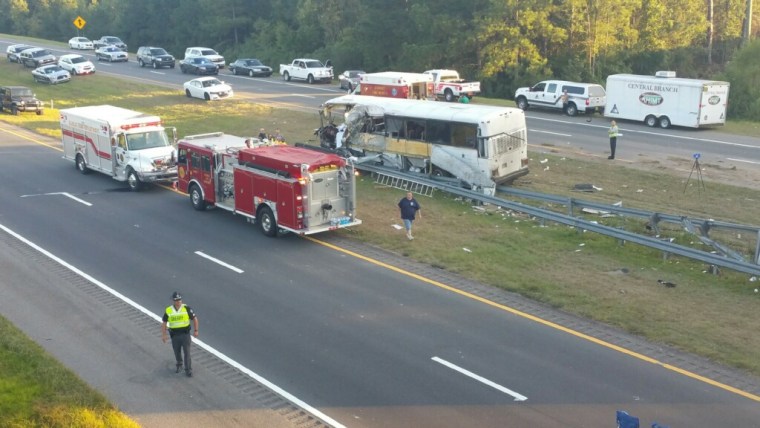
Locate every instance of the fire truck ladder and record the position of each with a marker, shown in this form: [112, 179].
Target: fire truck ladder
[407, 184]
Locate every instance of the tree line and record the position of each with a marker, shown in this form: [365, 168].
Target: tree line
[503, 43]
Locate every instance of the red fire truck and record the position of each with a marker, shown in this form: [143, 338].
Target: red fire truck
[280, 187]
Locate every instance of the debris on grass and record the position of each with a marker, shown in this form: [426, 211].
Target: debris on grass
[466, 250]
[666, 283]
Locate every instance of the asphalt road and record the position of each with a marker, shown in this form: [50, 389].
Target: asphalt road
[360, 337]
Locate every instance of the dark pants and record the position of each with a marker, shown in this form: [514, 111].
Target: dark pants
[613, 146]
[180, 344]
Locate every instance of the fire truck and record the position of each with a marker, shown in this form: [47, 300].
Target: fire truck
[397, 85]
[127, 145]
[280, 187]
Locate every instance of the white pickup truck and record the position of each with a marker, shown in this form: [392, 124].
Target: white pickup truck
[448, 85]
[310, 70]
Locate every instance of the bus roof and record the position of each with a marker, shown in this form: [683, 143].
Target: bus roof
[423, 109]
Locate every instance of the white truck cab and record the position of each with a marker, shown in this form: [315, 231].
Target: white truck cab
[581, 97]
[127, 145]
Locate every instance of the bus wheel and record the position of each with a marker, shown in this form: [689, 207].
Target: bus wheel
[267, 222]
[196, 198]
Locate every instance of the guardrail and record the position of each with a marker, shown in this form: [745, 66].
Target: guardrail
[739, 265]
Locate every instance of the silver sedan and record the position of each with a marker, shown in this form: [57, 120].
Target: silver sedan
[52, 74]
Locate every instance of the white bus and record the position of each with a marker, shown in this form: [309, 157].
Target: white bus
[482, 146]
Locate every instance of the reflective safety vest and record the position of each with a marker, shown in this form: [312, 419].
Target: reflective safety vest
[178, 318]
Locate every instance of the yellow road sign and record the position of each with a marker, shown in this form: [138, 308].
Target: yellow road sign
[79, 22]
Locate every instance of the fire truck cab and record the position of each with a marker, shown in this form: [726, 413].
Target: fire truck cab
[280, 187]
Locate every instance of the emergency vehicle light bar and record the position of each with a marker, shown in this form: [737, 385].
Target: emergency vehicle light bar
[140, 125]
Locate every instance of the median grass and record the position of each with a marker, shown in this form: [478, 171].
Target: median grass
[579, 272]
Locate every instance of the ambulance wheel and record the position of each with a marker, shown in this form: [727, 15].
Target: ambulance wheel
[651, 121]
[133, 181]
[267, 222]
[81, 165]
[664, 122]
[196, 198]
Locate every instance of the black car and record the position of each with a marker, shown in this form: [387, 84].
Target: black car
[19, 98]
[251, 67]
[154, 57]
[198, 65]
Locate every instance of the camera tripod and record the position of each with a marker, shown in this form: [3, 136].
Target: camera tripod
[698, 168]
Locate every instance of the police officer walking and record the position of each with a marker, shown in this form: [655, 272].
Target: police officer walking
[177, 319]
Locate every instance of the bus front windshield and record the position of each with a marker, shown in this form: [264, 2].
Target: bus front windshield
[147, 140]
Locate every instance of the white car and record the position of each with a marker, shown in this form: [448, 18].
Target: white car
[76, 64]
[81, 43]
[208, 53]
[111, 54]
[13, 52]
[207, 88]
[52, 74]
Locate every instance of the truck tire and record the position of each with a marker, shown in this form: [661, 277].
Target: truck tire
[133, 181]
[266, 220]
[664, 122]
[250, 73]
[651, 121]
[155, 65]
[39, 112]
[286, 76]
[81, 165]
[571, 109]
[522, 103]
[310, 79]
[448, 95]
[140, 62]
[196, 198]
[14, 110]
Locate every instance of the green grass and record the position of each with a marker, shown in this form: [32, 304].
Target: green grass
[581, 273]
[36, 390]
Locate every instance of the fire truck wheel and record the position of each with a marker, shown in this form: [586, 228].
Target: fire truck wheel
[133, 181]
[196, 198]
[267, 222]
[81, 165]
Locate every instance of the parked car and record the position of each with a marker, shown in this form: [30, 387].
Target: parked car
[251, 67]
[198, 65]
[76, 64]
[14, 50]
[109, 41]
[207, 53]
[207, 88]
[19, 98]
[350, 79]
[111, 54]
[52, 74]
[154, 57]
[36, 57]
[81, 43]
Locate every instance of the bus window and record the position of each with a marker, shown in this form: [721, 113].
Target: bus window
[395, 127]
[415, 129]
[438, 132]
[464, 135]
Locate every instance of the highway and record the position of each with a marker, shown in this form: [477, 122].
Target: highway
[365, 337]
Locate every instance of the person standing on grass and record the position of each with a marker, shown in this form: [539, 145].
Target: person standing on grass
[409, 208]
[613, 132]
[177, 318]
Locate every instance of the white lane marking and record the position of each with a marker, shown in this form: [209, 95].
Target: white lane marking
[68, 195]
[226, 359]
[659, 134]
[517, 396]
[302, 95]
[744, 160]
[157, 72]
[228, 266]
[549, 132]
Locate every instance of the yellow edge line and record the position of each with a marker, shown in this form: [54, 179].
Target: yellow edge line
[494, 304]
[542, 321]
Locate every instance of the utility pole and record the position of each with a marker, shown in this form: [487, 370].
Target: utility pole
[747, 24]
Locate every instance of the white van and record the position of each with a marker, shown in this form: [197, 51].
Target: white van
[582, 97]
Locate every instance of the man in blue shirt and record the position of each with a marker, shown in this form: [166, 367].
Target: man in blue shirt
[409, 207]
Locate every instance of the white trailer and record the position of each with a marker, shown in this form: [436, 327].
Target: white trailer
[666, 100]
[124, 144]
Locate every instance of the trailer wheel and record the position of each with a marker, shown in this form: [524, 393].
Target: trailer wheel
[448, 95]
[81, 165]
[651, 121]
[267, 222]
[196, 198]
[664, 122]
[571, 110]
[133, 181]
[522, 103]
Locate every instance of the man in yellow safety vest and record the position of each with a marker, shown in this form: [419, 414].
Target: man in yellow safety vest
[177, 319]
